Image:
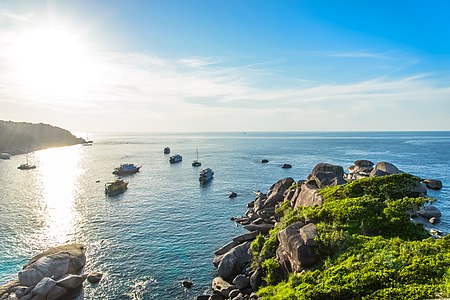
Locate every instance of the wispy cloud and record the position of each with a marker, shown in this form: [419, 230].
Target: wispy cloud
[356, 54]
[7, 16]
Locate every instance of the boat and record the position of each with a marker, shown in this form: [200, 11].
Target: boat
[26, 166]
[166, 150]
[115, 188]
[206, 175]
[88, 142]
[196, 163]
[126, 169]
[176, 158]
[5, 155]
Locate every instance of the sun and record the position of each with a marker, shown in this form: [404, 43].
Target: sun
[52, 60]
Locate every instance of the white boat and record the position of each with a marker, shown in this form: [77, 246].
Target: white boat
[126, 169]
[176, 158]
[206, 175]
[5, 155]
[196, 163]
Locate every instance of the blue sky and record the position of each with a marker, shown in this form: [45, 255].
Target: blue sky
[234, 65]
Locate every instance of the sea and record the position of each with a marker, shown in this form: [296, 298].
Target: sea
[165, 228]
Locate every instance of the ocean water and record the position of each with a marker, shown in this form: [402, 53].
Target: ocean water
[165, 227]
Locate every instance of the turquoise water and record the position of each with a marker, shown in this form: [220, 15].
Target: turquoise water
[166, 226]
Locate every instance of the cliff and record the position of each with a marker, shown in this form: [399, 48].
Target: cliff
[18, 137]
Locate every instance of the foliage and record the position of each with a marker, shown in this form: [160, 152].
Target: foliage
[368, 246]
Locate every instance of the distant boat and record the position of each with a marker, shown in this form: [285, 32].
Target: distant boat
[88, 142]
[126, 169]
[176, 158]
[26, 166]
[5, 155]
[206, 175]
[196, 163]
[166, 150]
[116, 187]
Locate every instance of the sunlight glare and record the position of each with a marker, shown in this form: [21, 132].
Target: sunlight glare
[53, 61]
[59, 175]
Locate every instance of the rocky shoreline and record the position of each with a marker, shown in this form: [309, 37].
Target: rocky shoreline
[50, 275]
[239, 279]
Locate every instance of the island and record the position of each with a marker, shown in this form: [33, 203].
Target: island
[21, 137]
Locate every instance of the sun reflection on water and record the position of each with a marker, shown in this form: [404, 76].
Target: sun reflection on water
[59, 172]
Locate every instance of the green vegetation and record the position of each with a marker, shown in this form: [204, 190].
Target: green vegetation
[368, 247]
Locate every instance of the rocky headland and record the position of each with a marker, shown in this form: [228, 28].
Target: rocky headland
[20, 137]
[302, 234]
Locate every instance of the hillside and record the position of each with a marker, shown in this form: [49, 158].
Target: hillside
[18, 137]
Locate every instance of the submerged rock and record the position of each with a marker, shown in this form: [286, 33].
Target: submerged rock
[433, 184]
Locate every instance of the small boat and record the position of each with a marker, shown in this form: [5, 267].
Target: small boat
[166, 150]
[126, 169]
[196, 163]
[176, 158]
[206, 175]
[26, 166]
[116, 187]
[5, 155]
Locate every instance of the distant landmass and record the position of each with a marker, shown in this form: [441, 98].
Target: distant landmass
[20, 137]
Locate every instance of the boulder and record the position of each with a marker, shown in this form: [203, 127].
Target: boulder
[363, 163]
[241, 281]
[55, 262]
[430, 211]
[325, 167]
[264, 161]
[71, 281]
[232, 195]
[309, 196]
[224, 249]
[385, 168]
[419, 190]
[281, 186]
[286, 166]
[323, 179]
[221, 286]
[53, 265]
[187, 283]
[295, 251]
[263, 228]
[256, 278]
[234, 261]
[44, 286]
[202, 297]
[433, 184]
[94, 277]
[215, 297]
[245, 237]
[239, 296]
[9, 287]
[273, 200]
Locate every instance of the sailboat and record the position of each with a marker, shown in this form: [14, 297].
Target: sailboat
[26, 166]
[88, 142]
[196, 163]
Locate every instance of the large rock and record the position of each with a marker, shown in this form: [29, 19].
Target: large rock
[273, 200]
[364, 163]
[430, 211]
[295, 251]
[281, 186]
[54, 263]
[56, 293]
[234, 261]
[384, 168]
[309, 196]
[433, 184]
[221, 286]
[44, 286]
[256, 278]
[323, 179]
[263, 228]
[325, 167]
[241, 281]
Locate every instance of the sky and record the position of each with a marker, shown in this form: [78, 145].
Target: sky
[228, 65]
